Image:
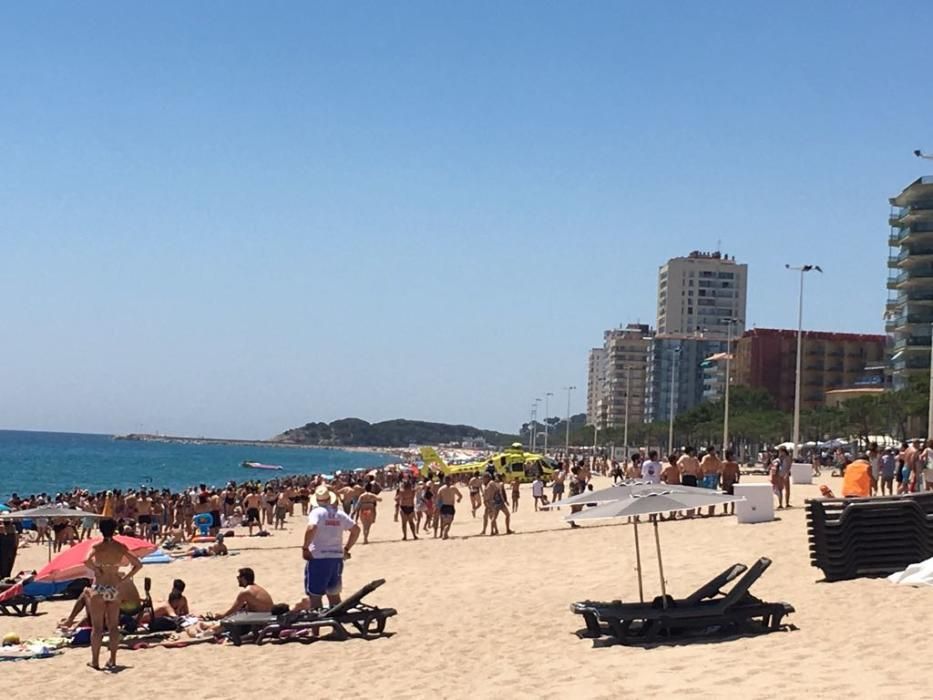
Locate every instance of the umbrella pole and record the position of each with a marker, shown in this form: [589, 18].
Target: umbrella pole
[641, 592]
[657, 542]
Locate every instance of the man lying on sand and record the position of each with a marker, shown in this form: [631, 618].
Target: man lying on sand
[218, 549]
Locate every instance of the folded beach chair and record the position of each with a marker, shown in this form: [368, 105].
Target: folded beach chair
[14, 601]
[592, 609]
[738, 611]
[367, 620]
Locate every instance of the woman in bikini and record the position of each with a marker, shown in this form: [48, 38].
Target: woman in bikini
[103, 598]
[366, 510]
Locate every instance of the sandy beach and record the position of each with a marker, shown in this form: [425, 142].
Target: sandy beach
[483, 617]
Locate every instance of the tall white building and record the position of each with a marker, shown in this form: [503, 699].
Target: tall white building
[617, 374]
[697, 293]
[596, 377]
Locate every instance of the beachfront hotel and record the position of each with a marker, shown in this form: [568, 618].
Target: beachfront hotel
[767, 358]
[909, 309]
[699, 293]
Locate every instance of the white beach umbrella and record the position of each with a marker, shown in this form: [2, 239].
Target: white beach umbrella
[653, 503]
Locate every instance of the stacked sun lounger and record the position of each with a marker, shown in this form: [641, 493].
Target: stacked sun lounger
[708, 612]
[855, 537]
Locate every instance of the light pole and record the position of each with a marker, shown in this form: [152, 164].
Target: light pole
[568, 389]
[725, 419]
[930, 405]
[547, 428]
[534, 427]
[628, 384]
[802, 269]
[670, 429]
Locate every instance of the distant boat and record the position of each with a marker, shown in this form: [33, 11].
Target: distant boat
[260, 465]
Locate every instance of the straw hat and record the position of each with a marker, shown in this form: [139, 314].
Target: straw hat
[324, 495]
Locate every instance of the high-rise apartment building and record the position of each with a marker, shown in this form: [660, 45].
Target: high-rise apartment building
[767, 358]
[617, 373]
[699, 293]
[595, 380]
[676, 362]
[910, 284]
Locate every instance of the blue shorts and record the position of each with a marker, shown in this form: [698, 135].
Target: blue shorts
[323, 576]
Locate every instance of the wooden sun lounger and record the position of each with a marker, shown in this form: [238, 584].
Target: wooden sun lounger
[592, 610]
[368, 620]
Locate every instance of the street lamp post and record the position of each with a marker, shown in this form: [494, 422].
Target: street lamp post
[531, 430]
[534, 427]
[568, 389]
[725, 418]
[547, 428]
[628, 383]
[670, 429]
[802, 269]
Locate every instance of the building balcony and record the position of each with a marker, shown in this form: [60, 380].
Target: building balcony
[912, 343]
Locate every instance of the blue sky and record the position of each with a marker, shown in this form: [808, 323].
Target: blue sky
[232, 218]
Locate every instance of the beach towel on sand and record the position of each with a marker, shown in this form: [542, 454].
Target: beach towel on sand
[915, 575]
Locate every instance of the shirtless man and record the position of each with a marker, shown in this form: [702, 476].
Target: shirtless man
[490, 510]
[253, 597]
[475, 485]
[730, 477]
[144, 514]
[689, 467]
[282, 504]
[447, 496]
[405, 497]
[252, 504]
[711, 468]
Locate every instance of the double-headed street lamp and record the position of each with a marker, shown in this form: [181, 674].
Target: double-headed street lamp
[725, 419]
[568, 389]
[547, 428]
[670, 429]
[802, 269]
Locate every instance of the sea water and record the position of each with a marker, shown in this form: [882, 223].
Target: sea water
[38, 462]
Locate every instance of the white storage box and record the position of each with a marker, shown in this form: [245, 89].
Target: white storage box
[801, 473]
[758, 506]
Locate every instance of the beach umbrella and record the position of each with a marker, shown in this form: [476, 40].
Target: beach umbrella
[626, 490]
[50, 512]
[620, 491]
[69, 565]
[653, 504]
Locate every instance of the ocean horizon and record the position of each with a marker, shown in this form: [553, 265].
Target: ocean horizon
[33, 462]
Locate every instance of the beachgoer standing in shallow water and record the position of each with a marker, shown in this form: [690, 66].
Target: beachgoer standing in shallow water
[103, 598]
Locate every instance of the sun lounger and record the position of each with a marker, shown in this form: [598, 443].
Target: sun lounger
[367, 620]
[736, 611]
[591, 610]
[14, 601]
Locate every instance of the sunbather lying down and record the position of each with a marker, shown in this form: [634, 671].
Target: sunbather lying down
[218, 549]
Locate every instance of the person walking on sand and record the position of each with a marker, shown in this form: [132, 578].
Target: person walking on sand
[689, 467]
[103, 597]
[537, 491]
[516, 492]
[475, 484]
[366, 509]
[490, 510]
[447, 496]
[405, 497]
